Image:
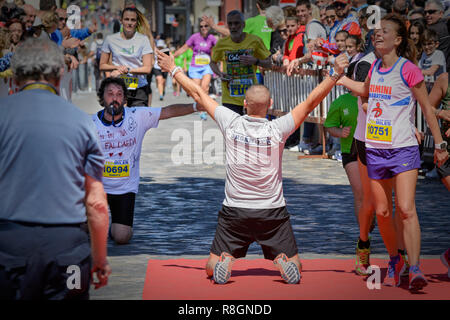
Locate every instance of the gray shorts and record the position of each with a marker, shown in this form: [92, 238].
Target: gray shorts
[237, 228]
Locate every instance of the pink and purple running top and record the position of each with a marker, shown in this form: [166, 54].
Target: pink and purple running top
[390, 121]
[202, 49]
[391, 144]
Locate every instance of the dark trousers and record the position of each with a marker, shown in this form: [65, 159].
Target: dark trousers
[40, 262]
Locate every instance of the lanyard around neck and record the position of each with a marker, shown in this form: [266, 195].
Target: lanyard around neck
[39, 85]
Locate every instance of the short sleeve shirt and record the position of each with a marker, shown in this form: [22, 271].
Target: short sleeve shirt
[122, 145]
[201, 48]
[254, 151]
[243, 76]
[258, 27]
[128, 52]
[436, 58]
[314, 30]
[48, 146]
[343, 113]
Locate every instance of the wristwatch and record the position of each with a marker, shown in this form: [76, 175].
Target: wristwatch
[441, 146]
[335, 76]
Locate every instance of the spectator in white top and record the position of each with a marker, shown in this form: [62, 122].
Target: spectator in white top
[131, 54]
[432, 63]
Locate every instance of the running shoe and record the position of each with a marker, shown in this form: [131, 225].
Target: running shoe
[288, 269]
[405, 269]
[303, 146]
[445, 258]
[362, 261]
[417, 279]
[161, 98]
[393, 275]
[222, 270]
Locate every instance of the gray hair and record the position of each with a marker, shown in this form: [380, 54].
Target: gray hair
[438, 3]
[276, 14]
[37, 59]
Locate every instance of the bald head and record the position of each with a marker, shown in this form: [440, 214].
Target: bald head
[29, 16]
[257, 100]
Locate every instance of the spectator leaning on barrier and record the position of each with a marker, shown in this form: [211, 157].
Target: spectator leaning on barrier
[275, 21]
[42, 229]
[293, 47]
[241, 54]
[347, 21]
[432, 62]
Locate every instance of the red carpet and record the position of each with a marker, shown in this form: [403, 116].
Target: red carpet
[185, 279]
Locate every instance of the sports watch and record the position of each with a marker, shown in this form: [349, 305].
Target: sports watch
[441, 146]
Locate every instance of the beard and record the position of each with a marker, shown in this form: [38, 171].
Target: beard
[114, 108]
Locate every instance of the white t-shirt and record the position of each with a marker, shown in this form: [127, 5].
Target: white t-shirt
[128, 52]
[254, 152]
[436, 58]
[314, 30]
[94, 45]
[122, 145]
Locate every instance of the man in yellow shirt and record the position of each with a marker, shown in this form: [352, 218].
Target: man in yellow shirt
[241, 54]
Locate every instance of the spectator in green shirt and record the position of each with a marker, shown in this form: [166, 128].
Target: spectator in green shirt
[258, 27]
[341, 122]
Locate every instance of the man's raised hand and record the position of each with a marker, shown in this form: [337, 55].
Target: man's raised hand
[165, 62]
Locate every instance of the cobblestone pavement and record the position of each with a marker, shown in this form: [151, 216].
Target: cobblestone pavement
[177, 204]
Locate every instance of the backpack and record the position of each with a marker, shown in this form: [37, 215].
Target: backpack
[98, 53]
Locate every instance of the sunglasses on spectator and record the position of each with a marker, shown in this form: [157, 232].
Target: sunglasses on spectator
[330, 17]
[203, 26]
[430, 11]
[63, 19]
[283, 30]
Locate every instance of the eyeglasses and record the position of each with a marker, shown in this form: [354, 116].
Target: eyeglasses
[430, 11]
[63, 19]
[203, 27]
[283, 30]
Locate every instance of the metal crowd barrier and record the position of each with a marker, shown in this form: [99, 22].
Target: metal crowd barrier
[289, 91]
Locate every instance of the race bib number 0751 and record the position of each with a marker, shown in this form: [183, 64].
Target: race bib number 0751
[379, 133]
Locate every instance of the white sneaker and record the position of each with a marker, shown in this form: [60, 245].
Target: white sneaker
[294, 149]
